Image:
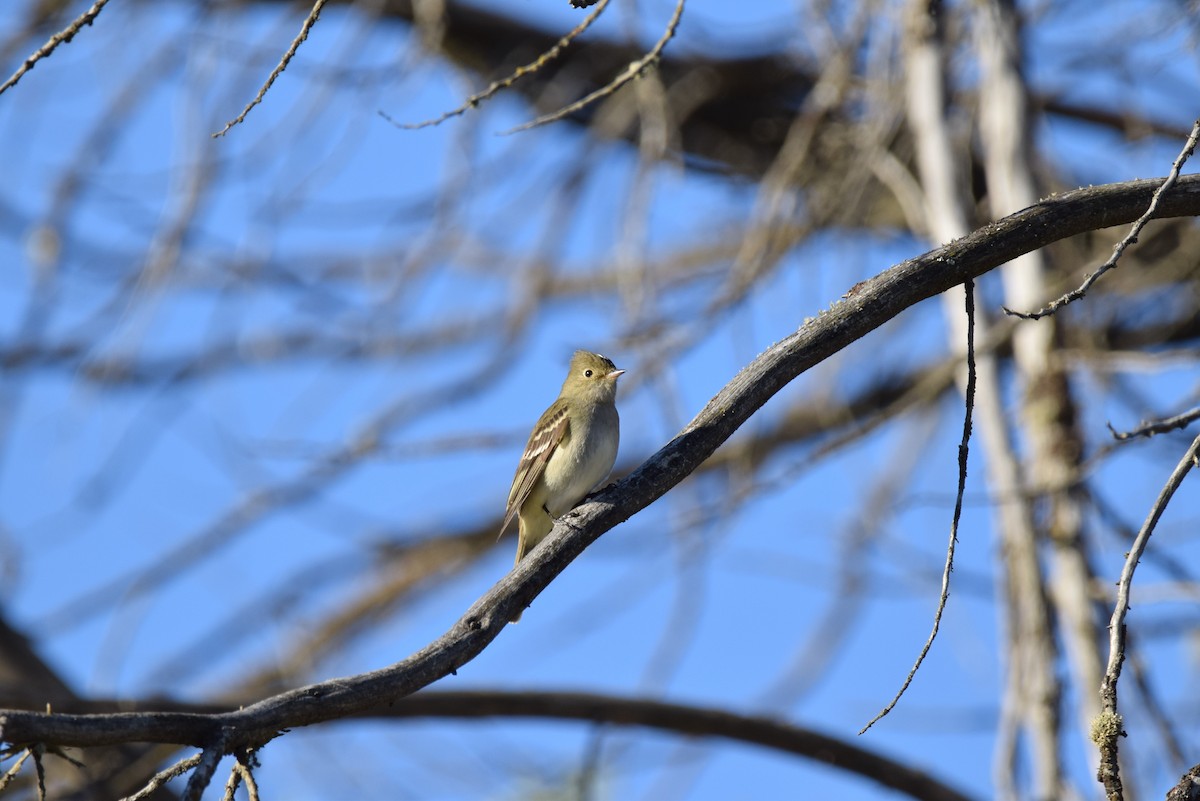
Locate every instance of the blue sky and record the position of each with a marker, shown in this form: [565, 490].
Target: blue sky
[96, 484]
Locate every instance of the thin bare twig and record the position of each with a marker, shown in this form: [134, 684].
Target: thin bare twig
[279, 68]
[630, 72]
[162, 777]
[248, 780]
[963, 451]
[234, 782]
[205, 768]
[37, 751]
[62, 37]
[1129, 239]
[1107, 728]
[241, 775]
[12, 772]
[1158, 427]
[520, 72]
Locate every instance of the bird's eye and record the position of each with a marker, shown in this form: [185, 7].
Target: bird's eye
[587, 373]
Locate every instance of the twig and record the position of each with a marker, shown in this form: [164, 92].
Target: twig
[1129, 239]
[963, 452]
[279, 68]
[241, 774]
[876, 301]
[632, 71]
[162, 777]
[37, 750]
[12, 772]
[520, 72]
[1107, 728]
[1159, 427]
[205, 768]
[62, 37]
[248, 780]
[234, 781]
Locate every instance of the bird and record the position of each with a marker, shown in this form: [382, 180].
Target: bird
[570, 451]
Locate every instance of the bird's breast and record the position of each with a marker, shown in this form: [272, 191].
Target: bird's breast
[576, 469]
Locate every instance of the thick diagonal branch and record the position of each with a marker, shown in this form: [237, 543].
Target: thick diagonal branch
[868, 306]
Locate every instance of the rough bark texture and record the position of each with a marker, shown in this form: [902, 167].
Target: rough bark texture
[865, 307]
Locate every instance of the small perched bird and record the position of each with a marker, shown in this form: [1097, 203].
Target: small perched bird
[570, 451]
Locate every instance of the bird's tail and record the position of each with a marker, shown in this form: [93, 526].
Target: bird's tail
[529, 533]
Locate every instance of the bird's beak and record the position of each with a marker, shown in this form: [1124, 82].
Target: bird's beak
[614, 375]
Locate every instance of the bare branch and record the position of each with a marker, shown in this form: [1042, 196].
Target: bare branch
[1179, 421]
[37, 749]
[247, 778]
[1129, 239]
[632, 71]
[205, 768]
[520, 72]
[238, 775]
[687, 720]
[12, 772]
[876, 301]
[162, 777]
[963, 451]
[62, 37]
[309, 21]
[1107, 729]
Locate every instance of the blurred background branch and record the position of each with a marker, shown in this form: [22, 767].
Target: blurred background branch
[260, 398]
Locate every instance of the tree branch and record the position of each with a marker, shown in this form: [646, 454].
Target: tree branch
[1107, 728]
[1130, 238]
[687, 720]
[870, 305]
[948, 568]
[286, 59]
[62, 37]
[1179, 421]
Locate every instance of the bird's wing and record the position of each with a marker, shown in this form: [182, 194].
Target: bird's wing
[550, 430]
